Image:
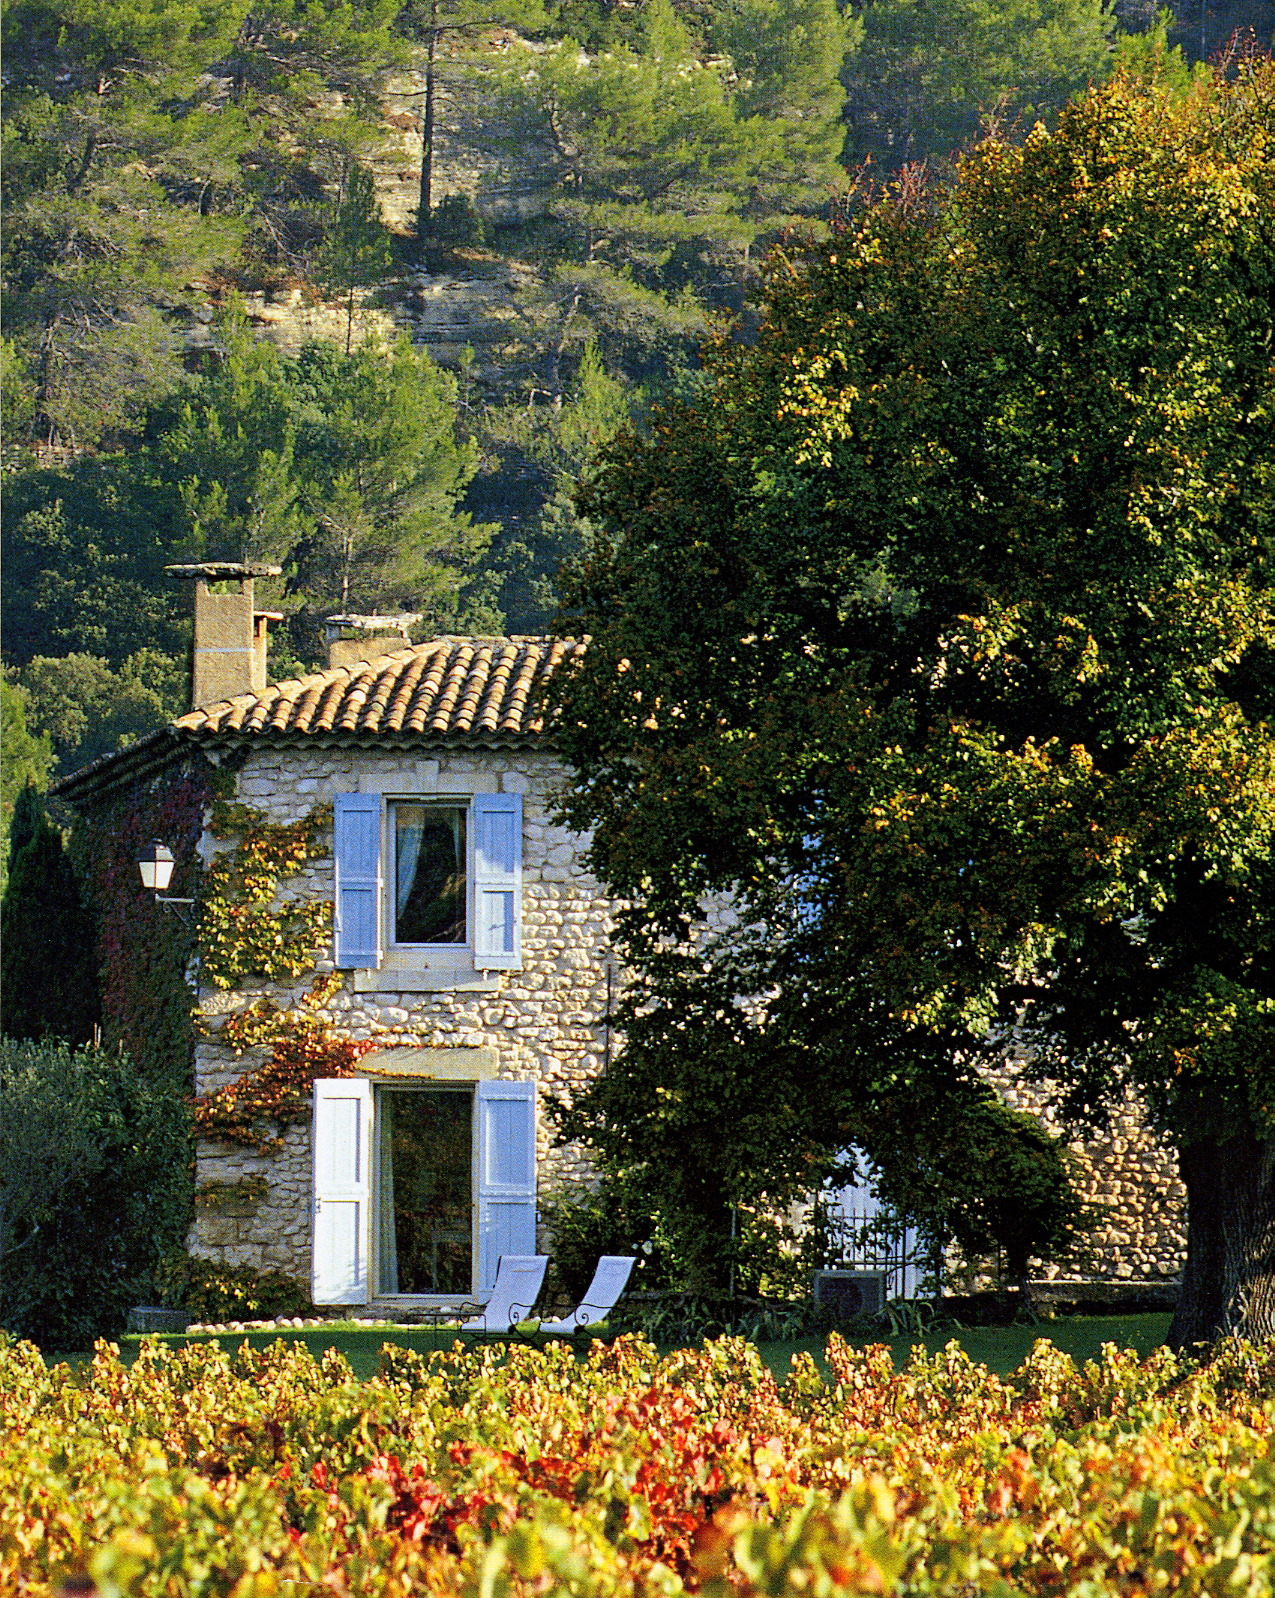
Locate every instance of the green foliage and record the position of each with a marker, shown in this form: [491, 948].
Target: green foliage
[445, 32]
[88, 710]
[144, 950]
[48, 976]
[85, 546]
[242, 932]
[585, 1223]
[966, 1169]
[693, 1064]
[210, 1291]
[27, 759]
[561, 441]
[27, 819]
[99, 240]
[788, 56]
[226, 445]
[455, 222]
[346, 468]
[16, 394]
[94, 1188]
[380, 470]
[147, 146]
[670, 168]
[938, 632]
[926, 75]
[358, 251]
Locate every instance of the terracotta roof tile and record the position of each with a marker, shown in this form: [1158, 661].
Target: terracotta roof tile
[448, 687]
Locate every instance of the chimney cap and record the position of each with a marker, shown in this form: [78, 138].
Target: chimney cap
[222, 571]
[371, 624]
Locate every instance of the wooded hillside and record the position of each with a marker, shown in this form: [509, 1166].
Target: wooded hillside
[360, 289]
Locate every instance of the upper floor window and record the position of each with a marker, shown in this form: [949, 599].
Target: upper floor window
[430, 872]
[422, 874]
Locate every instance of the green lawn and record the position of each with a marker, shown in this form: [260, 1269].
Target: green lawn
[1003, 1348]
[1000, 1348]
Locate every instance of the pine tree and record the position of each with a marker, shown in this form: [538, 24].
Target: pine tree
[433, 24]
[358, 250]
[102, 228]
[926, 74]
[671, 168]
[379, 470]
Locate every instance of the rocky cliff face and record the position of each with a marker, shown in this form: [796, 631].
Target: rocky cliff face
[501, 164]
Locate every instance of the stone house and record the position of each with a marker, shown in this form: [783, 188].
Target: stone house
[422, 908]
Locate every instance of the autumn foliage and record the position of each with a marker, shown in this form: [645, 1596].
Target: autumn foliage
[199, 1471]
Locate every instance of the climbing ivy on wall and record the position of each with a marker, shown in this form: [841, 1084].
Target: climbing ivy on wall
[254, 1109]
[143, 948]
[241, 935]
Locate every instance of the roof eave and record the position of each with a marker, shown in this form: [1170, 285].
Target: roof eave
[150, 753]
[160, 748]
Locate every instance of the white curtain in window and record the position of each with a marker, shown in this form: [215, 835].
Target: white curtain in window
[409, 824]
[388, 1274]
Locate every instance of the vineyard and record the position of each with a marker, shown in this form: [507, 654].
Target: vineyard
[531, 1472]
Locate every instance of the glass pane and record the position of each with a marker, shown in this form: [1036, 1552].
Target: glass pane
[429, 874]
[425, 1192]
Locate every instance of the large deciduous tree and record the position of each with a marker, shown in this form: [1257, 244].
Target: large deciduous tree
[940, 633]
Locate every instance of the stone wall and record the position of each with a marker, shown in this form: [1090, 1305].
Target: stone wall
[1131, 1176]
[544, 1023]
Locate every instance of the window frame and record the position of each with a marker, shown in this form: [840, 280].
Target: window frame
[365, 868]
[460, 953]
[380, 1087]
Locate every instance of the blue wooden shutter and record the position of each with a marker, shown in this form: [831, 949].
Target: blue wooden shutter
[498, 881]
[506, 1138]
[342, 1190]
[357, 850]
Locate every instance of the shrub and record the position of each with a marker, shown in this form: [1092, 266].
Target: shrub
[586, 1223]
[94, 1188]
[455, 222]
[209, 1291]
[48, 973]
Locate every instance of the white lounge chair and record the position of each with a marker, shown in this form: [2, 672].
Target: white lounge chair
[517, 1286]
[609, 1281]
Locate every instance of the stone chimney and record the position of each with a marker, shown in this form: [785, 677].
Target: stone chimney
[351, 639]
[230, 636]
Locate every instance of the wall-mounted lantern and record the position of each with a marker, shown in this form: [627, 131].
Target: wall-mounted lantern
[156, 866]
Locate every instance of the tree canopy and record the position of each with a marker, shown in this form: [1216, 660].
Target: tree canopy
[939, 635]
[925, 75]
[671, 165]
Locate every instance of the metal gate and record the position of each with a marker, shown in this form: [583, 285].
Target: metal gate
[865, 1235]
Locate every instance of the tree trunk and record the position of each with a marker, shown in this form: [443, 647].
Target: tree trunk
[43, 421]
[427, 136]
[553, 371]
[1228, 1285]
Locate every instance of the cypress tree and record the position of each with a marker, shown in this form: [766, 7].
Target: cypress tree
[48, 986]
[28, 815]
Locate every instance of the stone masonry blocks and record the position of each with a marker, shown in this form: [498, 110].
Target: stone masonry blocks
[546, 1022]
